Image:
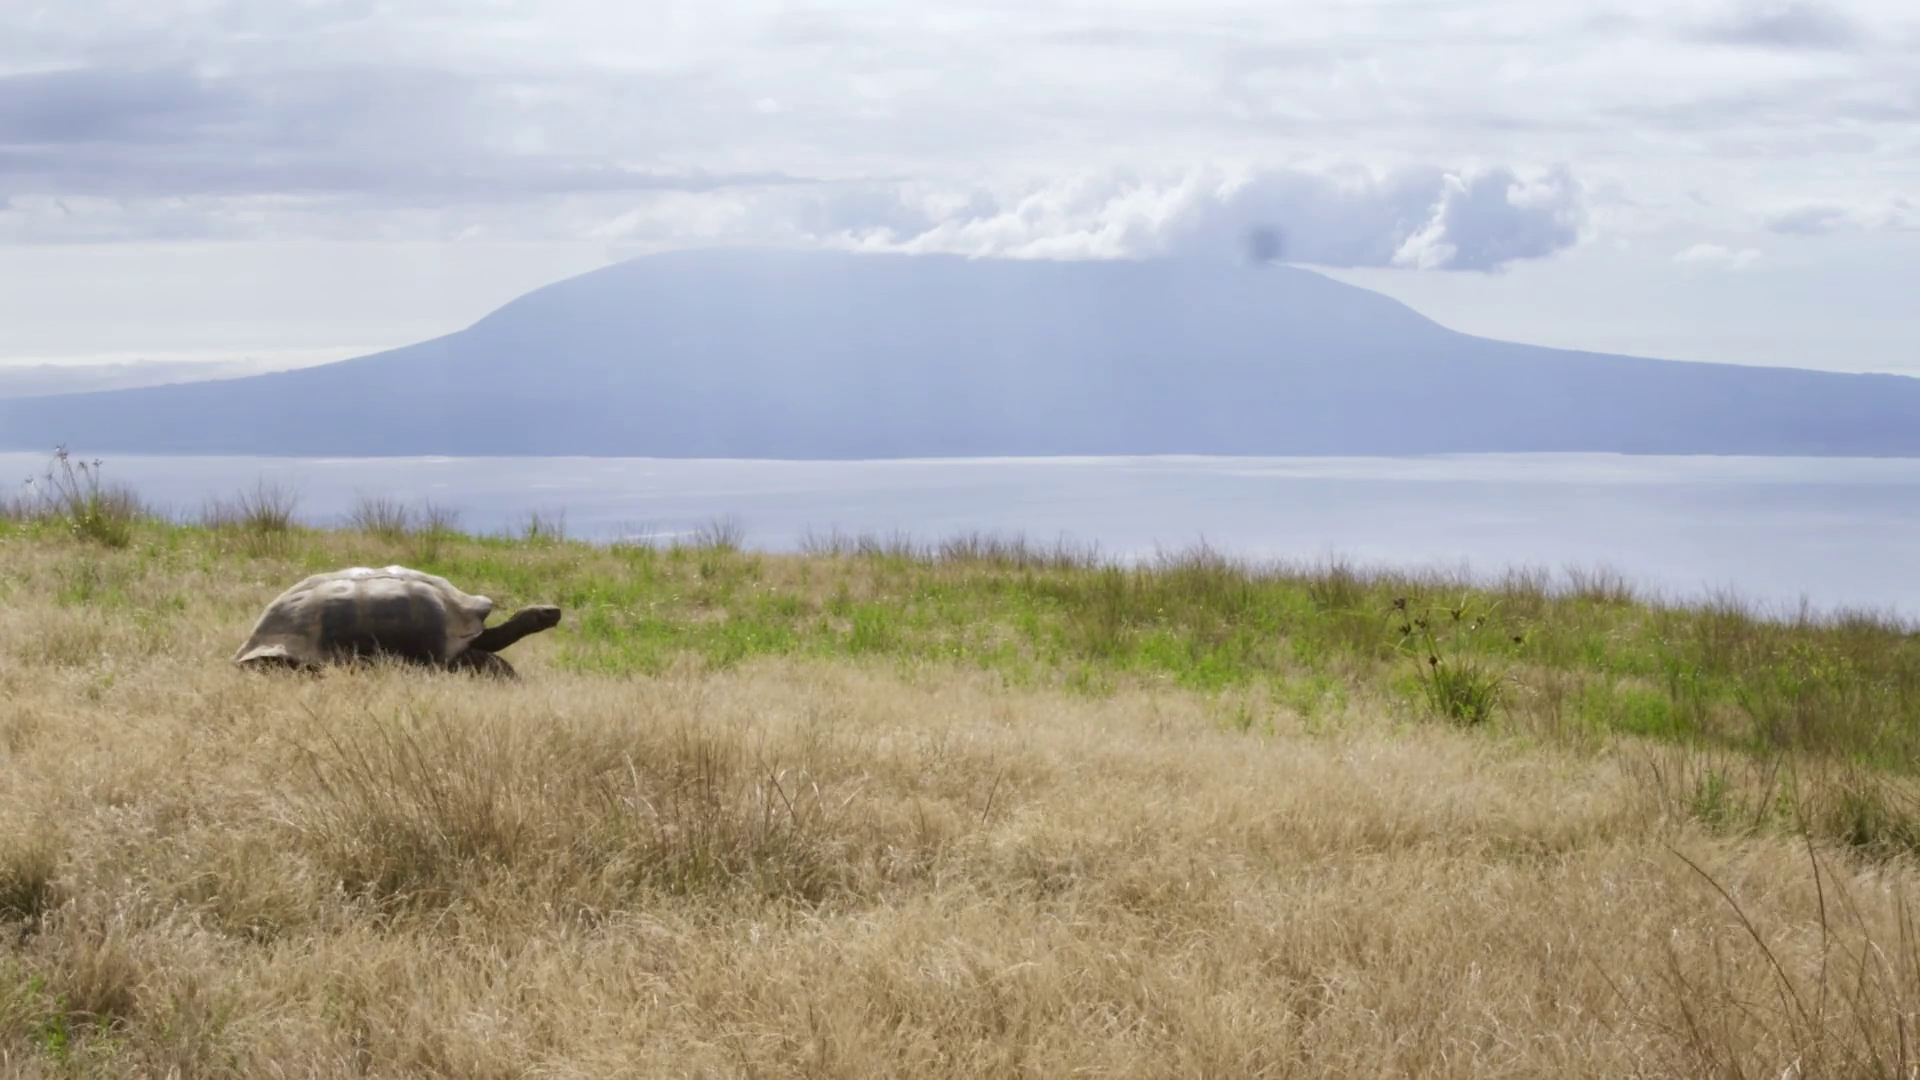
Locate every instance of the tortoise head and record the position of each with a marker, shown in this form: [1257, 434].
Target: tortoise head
[528, 620]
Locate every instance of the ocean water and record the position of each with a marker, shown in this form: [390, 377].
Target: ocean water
[1832, 532]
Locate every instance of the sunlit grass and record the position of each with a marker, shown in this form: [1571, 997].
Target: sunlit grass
[1528, 651]
[970, 806]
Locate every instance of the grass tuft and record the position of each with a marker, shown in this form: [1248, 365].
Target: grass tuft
[381, 516]
[1844, 1011]
[725, 535]
[544, 528]
[28, 866]
[425, 527]
[75, 496]
[261, 517]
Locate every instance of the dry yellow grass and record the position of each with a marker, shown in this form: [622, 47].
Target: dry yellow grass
[814, 868]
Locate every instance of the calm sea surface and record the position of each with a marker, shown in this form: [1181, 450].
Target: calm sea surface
[1838, 532]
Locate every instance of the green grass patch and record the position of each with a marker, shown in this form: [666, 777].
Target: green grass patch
[1524, 649]
[1845, 685]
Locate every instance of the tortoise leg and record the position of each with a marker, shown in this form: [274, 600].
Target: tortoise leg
[481, 662]
[528, 620]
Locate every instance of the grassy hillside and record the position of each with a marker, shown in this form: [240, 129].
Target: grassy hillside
[975, 810]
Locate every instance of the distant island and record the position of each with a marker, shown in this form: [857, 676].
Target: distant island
[759, 353]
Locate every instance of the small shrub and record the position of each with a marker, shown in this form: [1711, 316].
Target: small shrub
[265, 508]
[262, 516]
[828, 545]
[438, 520]
[73, 494]
[1013, 553]
[1462, 689]
[433, 526]
[382, 516]
[1337, 587]
[1600, 585]
[721, 535]
[896, 547]
[390, 519]
[1525, 591]
[27, 888]
[97, 974]
[545, 527]
[1869, 814]
[980, 548]
[1457, 684]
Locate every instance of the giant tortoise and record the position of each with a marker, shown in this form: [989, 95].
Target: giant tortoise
[361, 613]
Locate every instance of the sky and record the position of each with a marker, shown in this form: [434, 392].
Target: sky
[245, 184]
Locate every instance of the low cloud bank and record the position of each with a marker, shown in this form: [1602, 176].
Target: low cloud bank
[1819, 217]
[1423, 218]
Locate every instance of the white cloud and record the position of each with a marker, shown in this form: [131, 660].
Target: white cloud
[1813, 217]
[1784, 24]
[1351, 217]
[1714, 255]
[233, 119]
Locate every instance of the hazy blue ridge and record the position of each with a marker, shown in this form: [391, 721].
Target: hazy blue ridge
[791, 354]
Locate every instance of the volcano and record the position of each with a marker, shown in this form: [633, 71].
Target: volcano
[755, 353]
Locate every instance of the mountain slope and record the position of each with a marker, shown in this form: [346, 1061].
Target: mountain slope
[751, 353]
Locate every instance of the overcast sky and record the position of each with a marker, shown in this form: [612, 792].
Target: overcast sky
[292, 180]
